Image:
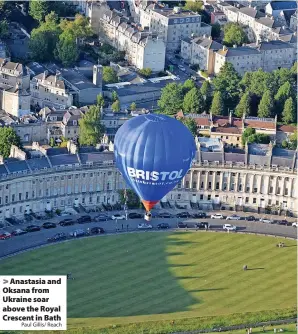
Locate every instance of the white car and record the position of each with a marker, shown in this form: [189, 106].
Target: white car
[233, 217]
[217, 216]
[229, 227]
[117, 216]
[144, 226]
[295, 224]
[266, 220]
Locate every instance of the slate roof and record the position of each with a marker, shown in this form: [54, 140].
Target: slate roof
[96, 157]
[287, 128]
[238, 51]
[56, 151]
[3, 170]
[17, 166]
[38, 163]
[235, 157]
[64, 159]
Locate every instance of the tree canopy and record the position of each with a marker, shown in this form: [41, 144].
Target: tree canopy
[215, 30]
[132, 199]
[67, 50]
[234, 34]
[195, 6]
[206, 91]
[266, 105]
[217, 106]
[91, 128]
[109, 75]
[227, 82]
[243, 107]
[146, 72]
[193, 101]
[289, 111]
[8, 137]
[38, 9]
[171, 99]
[191, 124]
[116, 106]
[188, 85]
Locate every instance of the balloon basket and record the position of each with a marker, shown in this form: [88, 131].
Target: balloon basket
[148, 216]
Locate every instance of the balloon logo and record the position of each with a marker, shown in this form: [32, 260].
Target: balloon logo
[153, 153]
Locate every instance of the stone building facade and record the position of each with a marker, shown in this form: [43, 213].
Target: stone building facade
[259, 178]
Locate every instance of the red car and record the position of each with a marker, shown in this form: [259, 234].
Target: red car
[5, 235]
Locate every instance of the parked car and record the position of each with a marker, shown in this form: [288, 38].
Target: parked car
[49, 225]
[77, 233]
[266, 220]
[144, 226]
[66, 222]
[229, 227]
[18, 232]
[250, 218]
[101, 218]
[182, 225]
[5, 235]
[199, 215]
[97, 230]
[217, 216]
[164, 215]
[135, 215]
[284, 222]
[202, 225]
[33, 228]
[183, 215]
[163, 226]
[118, 216]
[295, 224]
[57, 237]
[84, 219]
[181, 68]
[233, 217]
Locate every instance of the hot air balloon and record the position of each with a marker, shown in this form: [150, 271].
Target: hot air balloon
[153, 153]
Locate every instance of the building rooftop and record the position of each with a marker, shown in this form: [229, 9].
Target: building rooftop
[250, 11]
[260, 123]
[172, 13]
[271, 45]
[207, 43]
[237, 51]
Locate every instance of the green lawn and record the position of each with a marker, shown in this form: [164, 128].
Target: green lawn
[147, 277]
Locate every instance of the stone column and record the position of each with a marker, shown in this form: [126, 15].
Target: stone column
[198, 181]
[191, 179]
[237, 182]
[244, 183]
[221, 180]
[214, 181]
[206, 181]
[229, 182]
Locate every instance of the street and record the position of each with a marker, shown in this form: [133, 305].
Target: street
[33, 239]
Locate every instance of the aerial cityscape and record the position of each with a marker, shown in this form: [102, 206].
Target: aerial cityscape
[120, 119]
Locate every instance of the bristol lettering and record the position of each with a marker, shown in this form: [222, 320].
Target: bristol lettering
[154, 176]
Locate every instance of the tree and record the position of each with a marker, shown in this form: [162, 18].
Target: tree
[206, 91]
[133, 106]
[171, 99]
[294, 71]
[191, 124]
[247, 133]
[8, 137]
[52, 142]
[67, 50]
[132, 199]
[227, 82]
[215, 30]
[38, 9]
[284, 92]
[289, 112]
[78, 29]
[109, 75]
[266, 105]
[188, 85]
[146, 72]
[114, 96]
[193, 101]
[293, 141]
[234, 34]
[243, 107]
[217, 104]
[116, 106]
[281, 76]
[195, 6]
[260, 82]
[91, 128]
[100, 100]
[44, 39]
[258, 138]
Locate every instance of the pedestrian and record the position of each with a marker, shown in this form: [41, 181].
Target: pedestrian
[264, 329]
[274, 330]
[122, 226]
[250, 330]
[127, 227]
[75, 234]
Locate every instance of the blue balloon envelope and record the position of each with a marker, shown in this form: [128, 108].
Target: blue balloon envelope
[153, 153]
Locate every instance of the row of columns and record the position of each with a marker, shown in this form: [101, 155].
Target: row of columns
[260, 186]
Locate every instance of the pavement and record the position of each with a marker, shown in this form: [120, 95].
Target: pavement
[35, 239]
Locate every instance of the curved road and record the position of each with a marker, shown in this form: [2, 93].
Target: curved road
[33, 239]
